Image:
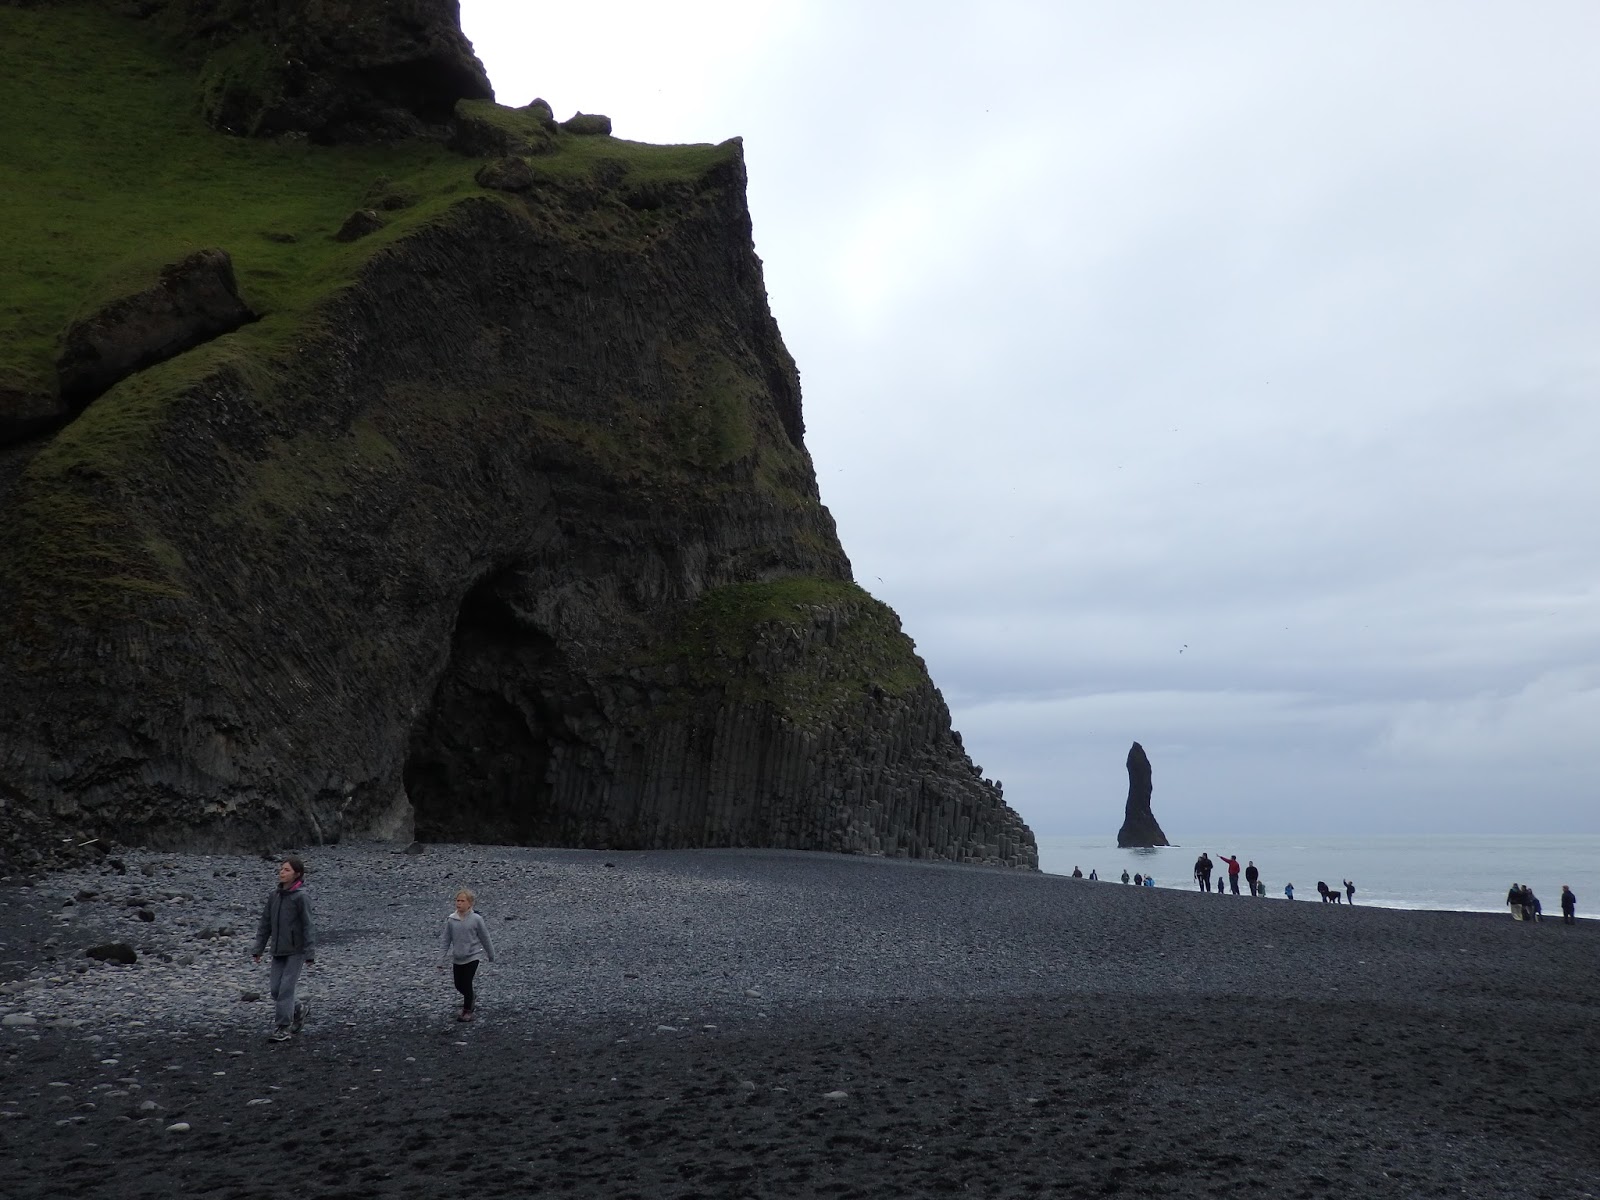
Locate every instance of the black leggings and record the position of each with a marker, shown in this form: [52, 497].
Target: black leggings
[464, 973]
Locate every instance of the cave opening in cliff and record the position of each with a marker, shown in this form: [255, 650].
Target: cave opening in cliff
[482, 761]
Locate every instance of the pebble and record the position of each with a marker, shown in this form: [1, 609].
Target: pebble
[178, 1127]
[18, 1019]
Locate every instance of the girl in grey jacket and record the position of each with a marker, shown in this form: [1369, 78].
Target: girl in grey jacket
[466, 943]
[286, 923]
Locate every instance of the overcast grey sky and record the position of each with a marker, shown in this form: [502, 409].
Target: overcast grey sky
[1219, 376]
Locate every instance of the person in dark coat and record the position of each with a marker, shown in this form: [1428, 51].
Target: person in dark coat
[1532, 910]
[1251, 875]
[1202, 871]
[1569, 906]
[286, 923]
[1349, 891]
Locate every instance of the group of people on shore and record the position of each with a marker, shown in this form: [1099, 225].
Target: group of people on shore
[287, 926]
[1204, 868]
[1525, 905]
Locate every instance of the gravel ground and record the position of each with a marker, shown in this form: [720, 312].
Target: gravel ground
[763, 1023]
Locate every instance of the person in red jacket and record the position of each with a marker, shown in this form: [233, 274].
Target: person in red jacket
[1233, 872]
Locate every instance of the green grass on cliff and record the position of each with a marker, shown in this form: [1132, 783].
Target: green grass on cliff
[109, 173]
[762, 637]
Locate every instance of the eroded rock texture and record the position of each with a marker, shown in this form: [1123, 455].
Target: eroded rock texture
[336, 69]
[193, 301]
[1139, 826]
[518, 539]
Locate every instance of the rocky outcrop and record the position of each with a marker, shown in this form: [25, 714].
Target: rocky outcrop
[26, 412]
[192, 301]
[1139, 827]
[339, 70]
[587, 125]
[510, 535]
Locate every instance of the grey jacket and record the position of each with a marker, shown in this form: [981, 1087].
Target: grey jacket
[467, 938]
[286, 923]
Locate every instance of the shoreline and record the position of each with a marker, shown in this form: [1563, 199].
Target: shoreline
[1449, 873]
[674, 1024]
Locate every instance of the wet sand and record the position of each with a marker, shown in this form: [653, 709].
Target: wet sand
[992, 1034]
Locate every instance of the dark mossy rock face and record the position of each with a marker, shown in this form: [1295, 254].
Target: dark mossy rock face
[334, 69]
[506, 175]
[191, 301]
[358, 224]
[499, 525]
[588, 125]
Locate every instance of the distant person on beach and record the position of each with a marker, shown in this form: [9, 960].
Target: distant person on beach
[1514, 901]
[1149, 881]
[286, 923]
[1349, 891]
[1202, 872]
[1569, 906]
[1233, 873]
[1124, 874]
[1532, 910]
[1288, 891]
[1252, 877]
[1077, 874]
[466, 944]
[1093, 874]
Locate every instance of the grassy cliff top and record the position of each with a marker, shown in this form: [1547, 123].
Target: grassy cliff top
[109, 172]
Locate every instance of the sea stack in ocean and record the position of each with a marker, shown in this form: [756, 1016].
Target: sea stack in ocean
[1139, 827]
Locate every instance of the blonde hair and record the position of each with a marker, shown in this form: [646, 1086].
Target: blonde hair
[467, 892]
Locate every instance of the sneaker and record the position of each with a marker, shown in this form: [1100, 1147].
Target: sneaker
[280, 1034]
[302, 1009]
[466, 1015]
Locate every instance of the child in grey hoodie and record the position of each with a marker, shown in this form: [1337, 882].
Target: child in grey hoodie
[286, 923]
[466, 943]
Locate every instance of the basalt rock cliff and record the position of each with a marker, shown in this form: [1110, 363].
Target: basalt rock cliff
[464, 494]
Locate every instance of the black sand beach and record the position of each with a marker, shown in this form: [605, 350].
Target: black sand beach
[991, 1033]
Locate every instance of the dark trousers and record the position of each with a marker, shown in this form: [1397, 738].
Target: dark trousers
[464, 973]
[1567, 917]
[1233, 882]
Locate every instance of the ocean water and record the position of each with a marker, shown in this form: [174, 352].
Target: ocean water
[1461, 872]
